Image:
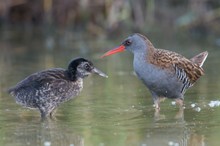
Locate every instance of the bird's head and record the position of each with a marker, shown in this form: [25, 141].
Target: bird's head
[81, 68]
[134, 43]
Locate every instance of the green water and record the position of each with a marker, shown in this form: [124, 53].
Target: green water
[109, 112]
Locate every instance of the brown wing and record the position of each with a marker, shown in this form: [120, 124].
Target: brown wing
[172, 60]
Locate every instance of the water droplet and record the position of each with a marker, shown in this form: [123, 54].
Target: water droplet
[173, 103]
[193, 105]
[170, 143]
[214, 103]
[198, 109]
[176, 144]
[47, 143]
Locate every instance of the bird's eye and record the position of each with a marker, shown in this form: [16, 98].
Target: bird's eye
[127, 42]
[86, 66]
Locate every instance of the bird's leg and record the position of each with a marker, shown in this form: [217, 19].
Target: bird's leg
[179, 101]
[157, 104]
[180, 114]
[156, 100]
[157, 115]
[52, 113]
[44, 112]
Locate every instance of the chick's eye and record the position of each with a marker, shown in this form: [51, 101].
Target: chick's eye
[127, 42]
[86, 66]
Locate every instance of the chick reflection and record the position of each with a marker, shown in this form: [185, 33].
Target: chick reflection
[48, 133]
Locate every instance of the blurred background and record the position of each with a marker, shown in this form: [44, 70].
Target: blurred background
[199, 19]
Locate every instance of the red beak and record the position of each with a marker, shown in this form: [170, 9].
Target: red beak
[113, 51]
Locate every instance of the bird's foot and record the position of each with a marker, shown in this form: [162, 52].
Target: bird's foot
[157, 115]
[156, 106]
[180, 114]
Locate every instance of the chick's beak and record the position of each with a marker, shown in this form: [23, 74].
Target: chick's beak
[95, 70]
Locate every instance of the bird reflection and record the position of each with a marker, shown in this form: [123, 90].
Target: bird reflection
[173, 135]
[172, 131]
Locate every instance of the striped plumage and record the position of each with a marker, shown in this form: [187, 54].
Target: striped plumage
[46, 90]
[186, 70]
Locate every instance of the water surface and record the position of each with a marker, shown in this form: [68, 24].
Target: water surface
[109, 112]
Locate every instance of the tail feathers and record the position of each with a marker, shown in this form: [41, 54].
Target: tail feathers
[200, 58]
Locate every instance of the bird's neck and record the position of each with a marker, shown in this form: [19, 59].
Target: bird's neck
[145, 55]
[71, 75]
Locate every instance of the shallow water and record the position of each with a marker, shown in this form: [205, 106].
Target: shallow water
[109, 112]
